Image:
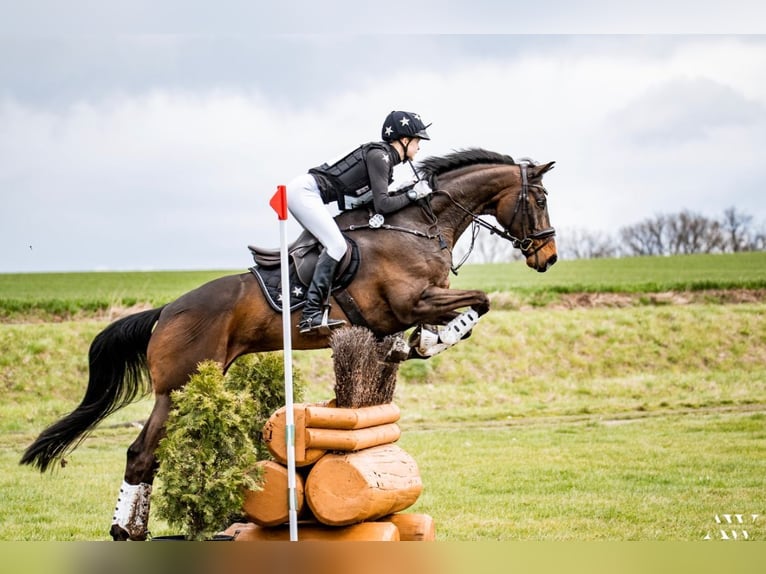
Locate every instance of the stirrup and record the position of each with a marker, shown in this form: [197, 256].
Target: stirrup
[323, 327]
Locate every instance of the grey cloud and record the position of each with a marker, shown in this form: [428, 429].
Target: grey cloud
[684, 110]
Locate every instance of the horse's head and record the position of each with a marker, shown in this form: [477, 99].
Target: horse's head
[478, 182]
[522, 210]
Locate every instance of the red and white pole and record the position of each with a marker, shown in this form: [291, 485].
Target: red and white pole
[279, 204]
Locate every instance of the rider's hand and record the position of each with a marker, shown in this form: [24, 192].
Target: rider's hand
[419, 190]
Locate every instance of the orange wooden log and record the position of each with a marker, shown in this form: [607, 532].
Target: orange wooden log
[269, 506]
[348, 488]
[349, 440]
[340, 418]
[364, 532]
[276, 442]
[312, 443]
[413, 527]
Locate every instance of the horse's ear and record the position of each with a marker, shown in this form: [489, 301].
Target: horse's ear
[539, 170]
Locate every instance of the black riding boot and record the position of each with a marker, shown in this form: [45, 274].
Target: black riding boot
[318, 297]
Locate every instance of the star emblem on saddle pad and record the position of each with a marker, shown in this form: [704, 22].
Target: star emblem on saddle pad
[298, 291]
[389, 130]
[405, 121]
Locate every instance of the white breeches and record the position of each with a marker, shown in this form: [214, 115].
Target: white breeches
[306, 205]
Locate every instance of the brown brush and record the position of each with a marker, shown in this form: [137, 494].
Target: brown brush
[362, 379]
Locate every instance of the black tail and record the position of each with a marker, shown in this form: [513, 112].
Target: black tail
[117, 360]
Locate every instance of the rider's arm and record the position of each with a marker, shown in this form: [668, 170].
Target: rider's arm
[378, 170]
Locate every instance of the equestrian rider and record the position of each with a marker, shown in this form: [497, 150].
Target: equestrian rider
[360, 178]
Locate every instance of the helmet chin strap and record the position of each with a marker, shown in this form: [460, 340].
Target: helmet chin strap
[404, 148]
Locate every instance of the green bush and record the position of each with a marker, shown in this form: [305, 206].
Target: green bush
[262, 377]
[207, 454]
[214, 440]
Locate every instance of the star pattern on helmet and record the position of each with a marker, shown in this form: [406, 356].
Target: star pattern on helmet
[417, 117]
[389, 130]
[404, 121]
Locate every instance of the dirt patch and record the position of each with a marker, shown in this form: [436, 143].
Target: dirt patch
[118, 312]
[719, 296]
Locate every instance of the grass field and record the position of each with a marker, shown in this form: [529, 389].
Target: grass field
[68, 294]
[642, 422]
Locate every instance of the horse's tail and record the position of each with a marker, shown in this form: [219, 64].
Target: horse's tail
[117, 360]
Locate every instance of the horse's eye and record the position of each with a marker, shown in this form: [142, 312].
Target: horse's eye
[541, 201]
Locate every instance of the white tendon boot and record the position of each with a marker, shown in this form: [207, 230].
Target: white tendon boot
[132, 511]
[430, 340]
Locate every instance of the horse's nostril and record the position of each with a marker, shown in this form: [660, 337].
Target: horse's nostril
[551, 260]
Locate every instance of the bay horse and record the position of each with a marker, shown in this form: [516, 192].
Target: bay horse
[402, 281]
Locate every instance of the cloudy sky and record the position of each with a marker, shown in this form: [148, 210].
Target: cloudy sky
[132, 146]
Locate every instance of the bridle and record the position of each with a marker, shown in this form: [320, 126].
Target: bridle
[525, 243]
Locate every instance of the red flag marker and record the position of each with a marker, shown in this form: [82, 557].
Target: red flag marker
[279, 202]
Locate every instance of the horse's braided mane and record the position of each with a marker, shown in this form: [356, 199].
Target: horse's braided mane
[434, 166]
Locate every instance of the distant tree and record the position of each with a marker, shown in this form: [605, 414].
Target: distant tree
[682, 233]
[580, 243]
[735, 227]
[688, 232]
[646, 237]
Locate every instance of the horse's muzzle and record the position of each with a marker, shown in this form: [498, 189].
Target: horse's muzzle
[543, 255]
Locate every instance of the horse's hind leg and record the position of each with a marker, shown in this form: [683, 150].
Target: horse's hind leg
[131, 515]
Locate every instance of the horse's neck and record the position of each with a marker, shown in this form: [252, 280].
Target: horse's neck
[474, 190]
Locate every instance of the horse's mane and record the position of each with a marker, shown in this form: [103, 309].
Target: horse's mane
[431, 167]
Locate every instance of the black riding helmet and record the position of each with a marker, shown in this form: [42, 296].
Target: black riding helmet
[403, 125]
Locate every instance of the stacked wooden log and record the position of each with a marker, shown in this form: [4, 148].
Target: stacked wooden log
[352, 481]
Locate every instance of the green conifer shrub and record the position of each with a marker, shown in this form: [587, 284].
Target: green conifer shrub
[214, 439]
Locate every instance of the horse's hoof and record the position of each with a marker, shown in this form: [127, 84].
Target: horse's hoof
[118, 533]
[399, 351]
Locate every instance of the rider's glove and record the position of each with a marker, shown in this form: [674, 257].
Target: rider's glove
[419, 190]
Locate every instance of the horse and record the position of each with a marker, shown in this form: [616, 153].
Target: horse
[402, 281]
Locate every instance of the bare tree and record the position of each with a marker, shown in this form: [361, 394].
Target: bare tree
[646, 237]
[681, 233]
[689, 232]
[580, 243]
[735, 227]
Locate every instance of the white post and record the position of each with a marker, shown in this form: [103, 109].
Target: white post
[279, 203]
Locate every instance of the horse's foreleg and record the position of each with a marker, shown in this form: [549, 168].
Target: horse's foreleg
[131, 515]
[438, 302]
[441, 326]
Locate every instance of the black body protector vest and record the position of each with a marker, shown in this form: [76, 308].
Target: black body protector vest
[347, 179]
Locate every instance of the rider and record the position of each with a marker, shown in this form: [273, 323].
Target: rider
[359, 178]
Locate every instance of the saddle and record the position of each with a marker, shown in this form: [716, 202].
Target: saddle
[302, 256]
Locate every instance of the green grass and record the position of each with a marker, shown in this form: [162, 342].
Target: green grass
[66, 294]
[647, 480]
[639, 423]
[626, 275]
[75, 294]
[653, 479]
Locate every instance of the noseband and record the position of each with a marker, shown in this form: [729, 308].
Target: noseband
[524, 243]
